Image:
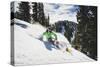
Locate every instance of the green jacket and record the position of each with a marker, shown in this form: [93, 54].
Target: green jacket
[50, 35]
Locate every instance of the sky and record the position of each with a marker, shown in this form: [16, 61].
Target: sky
[60, 12]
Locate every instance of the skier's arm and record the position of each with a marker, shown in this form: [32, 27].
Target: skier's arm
[44, 33]
[44, 37]
[54, 35]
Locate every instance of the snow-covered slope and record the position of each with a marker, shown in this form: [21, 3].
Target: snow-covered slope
[29, 49]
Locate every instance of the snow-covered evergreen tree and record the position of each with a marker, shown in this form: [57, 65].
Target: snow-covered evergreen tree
[38, 14]
[24, 11]
[87, 30]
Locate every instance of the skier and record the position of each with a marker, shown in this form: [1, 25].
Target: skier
[51, 37]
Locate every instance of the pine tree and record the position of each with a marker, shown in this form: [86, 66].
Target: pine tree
[86, 36]
[46, 21]
[38, 14]
[69, 28]
[24, 11]
[34, 8]
[47, 24]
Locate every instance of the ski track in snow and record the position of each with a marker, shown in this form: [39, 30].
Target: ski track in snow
[30, 50]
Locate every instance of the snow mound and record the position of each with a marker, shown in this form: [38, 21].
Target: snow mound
[35, 29]
[30, 50]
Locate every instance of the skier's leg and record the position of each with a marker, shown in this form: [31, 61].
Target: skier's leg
[53, 42]
[56, 43]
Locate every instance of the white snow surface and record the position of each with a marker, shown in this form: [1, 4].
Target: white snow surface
[29, 50]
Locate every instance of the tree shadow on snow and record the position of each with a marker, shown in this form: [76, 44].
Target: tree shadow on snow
[21, 25]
